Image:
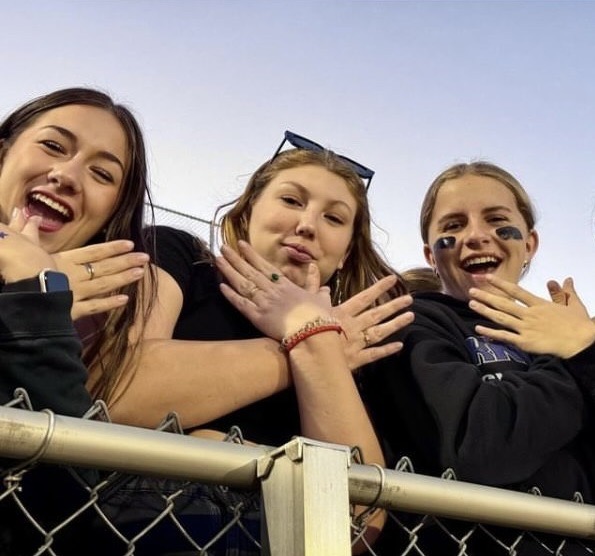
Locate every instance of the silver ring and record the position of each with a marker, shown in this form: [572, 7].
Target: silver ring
[90, 270]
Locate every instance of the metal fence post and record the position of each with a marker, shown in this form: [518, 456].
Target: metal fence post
[305, 491]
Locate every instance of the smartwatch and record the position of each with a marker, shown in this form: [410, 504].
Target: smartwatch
[46, 281]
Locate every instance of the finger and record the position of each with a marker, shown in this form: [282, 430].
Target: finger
[105, 285]
[381, 312]
[17, 220]
[494, 315]
[498, 302]
[117, 264]
[260, 271]
[236, 279]
[241, 303]
[31, 229]
[379, 332]
[513, 290]
[312, 283]
[97, 306]
[557, 293]
[504, 336]
[375, 353]
[356, 304]
[97, 251]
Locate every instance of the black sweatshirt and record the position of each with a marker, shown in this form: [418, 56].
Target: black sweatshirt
[40, 352]
[493, 413]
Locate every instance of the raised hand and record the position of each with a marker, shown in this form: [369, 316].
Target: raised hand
[366, 325]
[272, 302]
[97, 271]
[20, 255]
[532, 323]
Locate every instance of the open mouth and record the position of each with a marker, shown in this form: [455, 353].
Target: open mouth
[481, 265]
[53, 213]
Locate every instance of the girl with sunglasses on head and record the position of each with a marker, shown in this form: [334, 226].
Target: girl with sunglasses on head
[251, 339]
[466, 394]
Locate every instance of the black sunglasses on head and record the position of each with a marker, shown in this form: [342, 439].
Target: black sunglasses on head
[300, 142]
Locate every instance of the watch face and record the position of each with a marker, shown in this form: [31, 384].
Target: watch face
[52, 281]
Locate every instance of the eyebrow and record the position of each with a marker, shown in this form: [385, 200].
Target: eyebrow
[306, 191]
[72, 137]
[486, 210]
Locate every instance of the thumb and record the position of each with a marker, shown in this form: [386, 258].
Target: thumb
[557, 292]
[17, 220]
[31, 229]
[312, 283]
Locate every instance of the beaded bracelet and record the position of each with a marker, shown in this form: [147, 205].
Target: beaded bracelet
[312, 327]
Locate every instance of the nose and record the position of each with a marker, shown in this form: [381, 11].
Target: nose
[477, 234]
[66, 177]
[306, 226]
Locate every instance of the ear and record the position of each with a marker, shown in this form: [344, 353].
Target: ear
[429, 256]
[531, 244]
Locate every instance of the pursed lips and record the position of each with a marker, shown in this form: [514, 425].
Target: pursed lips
[298, 252]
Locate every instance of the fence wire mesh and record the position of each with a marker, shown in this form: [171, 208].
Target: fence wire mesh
[61, 511]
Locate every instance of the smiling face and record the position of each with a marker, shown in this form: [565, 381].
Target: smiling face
[481, 216]
[305, 214]
[67, 166]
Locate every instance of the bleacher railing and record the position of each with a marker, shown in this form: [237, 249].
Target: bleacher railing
[308, 489]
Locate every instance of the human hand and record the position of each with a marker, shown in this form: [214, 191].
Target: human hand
[365, 325]
[20, 255]
[277, 307]
[97, 271]
[534, 324]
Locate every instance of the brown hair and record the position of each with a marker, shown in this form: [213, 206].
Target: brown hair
[107, 350]
[363, 265]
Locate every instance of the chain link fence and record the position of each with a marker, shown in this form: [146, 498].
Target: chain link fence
[90, 487]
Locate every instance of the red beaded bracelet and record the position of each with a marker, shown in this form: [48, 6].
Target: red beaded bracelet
[312, 327]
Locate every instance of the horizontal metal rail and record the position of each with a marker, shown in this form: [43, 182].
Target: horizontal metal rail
[43, 436]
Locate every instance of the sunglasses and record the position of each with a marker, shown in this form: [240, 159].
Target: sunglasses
[300, 142]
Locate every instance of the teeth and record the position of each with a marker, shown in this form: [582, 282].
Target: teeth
[480, 260]
[40, 197]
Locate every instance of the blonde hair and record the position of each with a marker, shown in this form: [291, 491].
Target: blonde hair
[363, 265]
[478, 168]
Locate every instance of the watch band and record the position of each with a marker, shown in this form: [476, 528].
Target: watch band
[45, 282]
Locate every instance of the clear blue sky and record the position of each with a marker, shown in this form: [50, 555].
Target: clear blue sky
[407, 88]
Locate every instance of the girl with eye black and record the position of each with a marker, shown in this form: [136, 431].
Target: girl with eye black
[463, 393]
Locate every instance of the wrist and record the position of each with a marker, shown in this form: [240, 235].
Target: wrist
[46, 281]
[308, 329]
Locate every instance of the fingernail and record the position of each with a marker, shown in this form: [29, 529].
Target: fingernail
[15, 213]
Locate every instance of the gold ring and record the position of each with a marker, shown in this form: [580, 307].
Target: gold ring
[252, 291]
[367, 340]
[90, 270]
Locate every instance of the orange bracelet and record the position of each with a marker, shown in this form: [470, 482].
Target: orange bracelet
[312, 327]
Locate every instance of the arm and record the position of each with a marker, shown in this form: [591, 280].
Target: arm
[204, 380]
[330, 407]
[39, 349]
[497, 431]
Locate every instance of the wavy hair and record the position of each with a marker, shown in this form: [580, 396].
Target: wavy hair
[363, 266]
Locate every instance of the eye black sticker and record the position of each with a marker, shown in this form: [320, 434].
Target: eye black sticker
[447, 242]
[509, 232]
